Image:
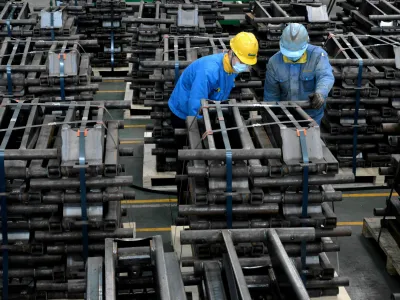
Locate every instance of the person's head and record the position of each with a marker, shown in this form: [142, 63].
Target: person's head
[244, 50]
[294, 41]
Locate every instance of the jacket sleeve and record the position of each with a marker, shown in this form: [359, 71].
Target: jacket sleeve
[324, 75]
[200, 90]
[271, 87]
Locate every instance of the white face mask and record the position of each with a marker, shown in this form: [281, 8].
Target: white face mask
[240, 68]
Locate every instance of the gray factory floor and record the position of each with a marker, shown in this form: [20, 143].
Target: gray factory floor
[360, 259]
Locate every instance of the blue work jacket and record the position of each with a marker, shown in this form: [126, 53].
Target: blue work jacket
[295, 81]
[205, 78]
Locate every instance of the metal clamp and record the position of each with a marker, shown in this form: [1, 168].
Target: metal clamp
[82, 179]
[355, 127]
[4, 229]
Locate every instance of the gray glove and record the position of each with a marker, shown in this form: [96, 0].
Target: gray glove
[317, 100]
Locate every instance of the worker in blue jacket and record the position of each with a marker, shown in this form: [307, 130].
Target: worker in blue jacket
[211, 77]
[299, 71]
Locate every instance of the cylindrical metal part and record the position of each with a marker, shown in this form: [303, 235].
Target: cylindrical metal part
[237, 154]
[240, 209]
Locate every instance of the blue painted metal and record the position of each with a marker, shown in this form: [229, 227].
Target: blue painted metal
[228, 162]
[9, 81]
[112, 50]
[62, 78]
[82, 179]
[355, 124]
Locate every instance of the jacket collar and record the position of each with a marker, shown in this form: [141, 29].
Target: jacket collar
[302, 59]
[227, 64]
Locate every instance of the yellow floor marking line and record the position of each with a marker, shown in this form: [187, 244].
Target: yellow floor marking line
[131, 142]
[368, 195]
[350, 223]
[149, 201]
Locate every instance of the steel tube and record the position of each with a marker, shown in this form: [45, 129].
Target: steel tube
[286, 235]
[237, 154]
[29, 154]
[71, 236]
[248, 209]
[117, 181]
[298, 180]
[388, 62]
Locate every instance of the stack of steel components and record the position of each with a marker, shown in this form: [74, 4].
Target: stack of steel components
[134, 269]
[157, 91]
[369, 17]
[365, 94]
[269, 18]
[47, 70]
[17, 20]
[61, 191]
[275, 270]
[102, 20]
[269, 170]
[392, 202]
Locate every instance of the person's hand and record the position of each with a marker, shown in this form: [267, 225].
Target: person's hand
[317, 100]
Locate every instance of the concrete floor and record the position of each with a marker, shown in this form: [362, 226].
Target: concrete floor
[359, 259]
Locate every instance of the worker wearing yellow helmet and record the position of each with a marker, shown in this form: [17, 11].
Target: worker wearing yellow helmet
[211, 77]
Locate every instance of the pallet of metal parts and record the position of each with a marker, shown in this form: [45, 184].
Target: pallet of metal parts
[135, 269]
[392, 203]
[266, 165]
[279, 274]
[364, 95]
[61, 191]
[48, 70]
[155, 78]
[369, 17]
[269, 18]
[151, 20]
[17, 19]
[102, 20]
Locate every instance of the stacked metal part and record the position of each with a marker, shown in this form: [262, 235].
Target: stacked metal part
[247, 172]
[134, 269]
[47, 70]
[62, 190]
[392, 208]
[102, 20]
[369, 17]
[43, 23]
[269, 18]
[365, 69]
[168, 36]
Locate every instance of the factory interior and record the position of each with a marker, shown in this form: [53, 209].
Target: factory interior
[103, 197]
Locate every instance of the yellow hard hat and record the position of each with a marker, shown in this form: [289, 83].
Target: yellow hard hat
[245, 46]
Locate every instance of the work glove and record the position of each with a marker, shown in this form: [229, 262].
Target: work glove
[317, 100]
